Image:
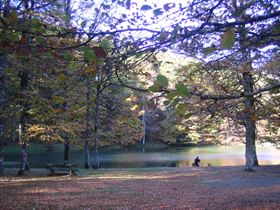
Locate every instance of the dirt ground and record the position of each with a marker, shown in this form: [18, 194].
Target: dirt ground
[157, 188]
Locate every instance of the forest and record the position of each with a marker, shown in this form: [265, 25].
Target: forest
[92, 74]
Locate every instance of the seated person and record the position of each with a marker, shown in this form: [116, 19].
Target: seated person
[196, 162]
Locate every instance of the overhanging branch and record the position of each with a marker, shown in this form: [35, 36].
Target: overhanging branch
[236, 95]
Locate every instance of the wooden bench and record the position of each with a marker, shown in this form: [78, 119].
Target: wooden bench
[62, 169]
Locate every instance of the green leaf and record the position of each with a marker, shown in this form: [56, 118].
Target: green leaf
[166, 102]
[89, 53]
[158, 12]
[162, 80]
[228, 38]
[175, 101]
[73, 66]
[36, 24]
[209, 50]
[182, 90]
[105, 44]
[145, 7]
[171, 95]
[67, 56]
[154, 88]
[181, 109]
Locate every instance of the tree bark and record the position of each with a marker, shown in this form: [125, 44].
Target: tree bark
[250, 124]
[23, 124]
[96, 161]
[3, 64]
[144, 125]
[1, 159]
[24, 161]
[5, 8]
[66, 149]
[87, 131]
[248, 86]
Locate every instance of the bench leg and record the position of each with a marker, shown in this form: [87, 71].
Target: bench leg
[72, 172]
[51, 172]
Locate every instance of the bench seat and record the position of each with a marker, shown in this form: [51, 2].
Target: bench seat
[62, 169]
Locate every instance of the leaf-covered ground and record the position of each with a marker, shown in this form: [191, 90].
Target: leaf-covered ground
[155, 188]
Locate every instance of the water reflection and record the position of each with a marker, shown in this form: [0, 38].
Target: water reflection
[182, 157]
[169, 157]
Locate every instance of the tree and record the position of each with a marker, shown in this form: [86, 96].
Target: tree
[214, 31]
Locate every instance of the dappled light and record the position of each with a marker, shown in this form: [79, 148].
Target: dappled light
[137, 104]
[181, 188]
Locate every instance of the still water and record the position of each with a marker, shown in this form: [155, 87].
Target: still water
[167, 157]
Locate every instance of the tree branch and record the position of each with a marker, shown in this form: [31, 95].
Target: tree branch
[236, 95]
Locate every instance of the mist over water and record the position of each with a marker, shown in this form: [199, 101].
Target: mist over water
[168, 157]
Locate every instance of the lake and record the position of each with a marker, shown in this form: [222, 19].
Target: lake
[167, 157]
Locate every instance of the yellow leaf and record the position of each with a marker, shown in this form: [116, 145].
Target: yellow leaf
[58, 99]
[62, 77]
[91, 71]
[228, 38]
[13, 17]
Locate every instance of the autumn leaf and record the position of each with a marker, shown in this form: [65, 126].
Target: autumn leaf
[208, 50]
[12, 18]
[228, 38]
[62, 77]
[57, 99]
[91, 71]
[99, 52]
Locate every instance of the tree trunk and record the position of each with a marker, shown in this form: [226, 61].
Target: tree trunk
[144, 125]
[87, 132]
[96, 161]
[3, 64]
[23, 124]
[250, 124]
[248, 86]
[24, 161]
[66, 149]
[1, 159]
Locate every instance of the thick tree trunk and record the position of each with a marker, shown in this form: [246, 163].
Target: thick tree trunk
[87, 132]
[248, 85]
[250, 124]
[96, 161]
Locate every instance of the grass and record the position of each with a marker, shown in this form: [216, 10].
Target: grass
[144, 188]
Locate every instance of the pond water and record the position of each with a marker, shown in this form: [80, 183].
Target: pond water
[167, 157]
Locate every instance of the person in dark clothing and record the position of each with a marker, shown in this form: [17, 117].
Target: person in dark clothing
[196, 162]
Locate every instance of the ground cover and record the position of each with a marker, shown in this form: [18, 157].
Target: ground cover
[144, 188]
